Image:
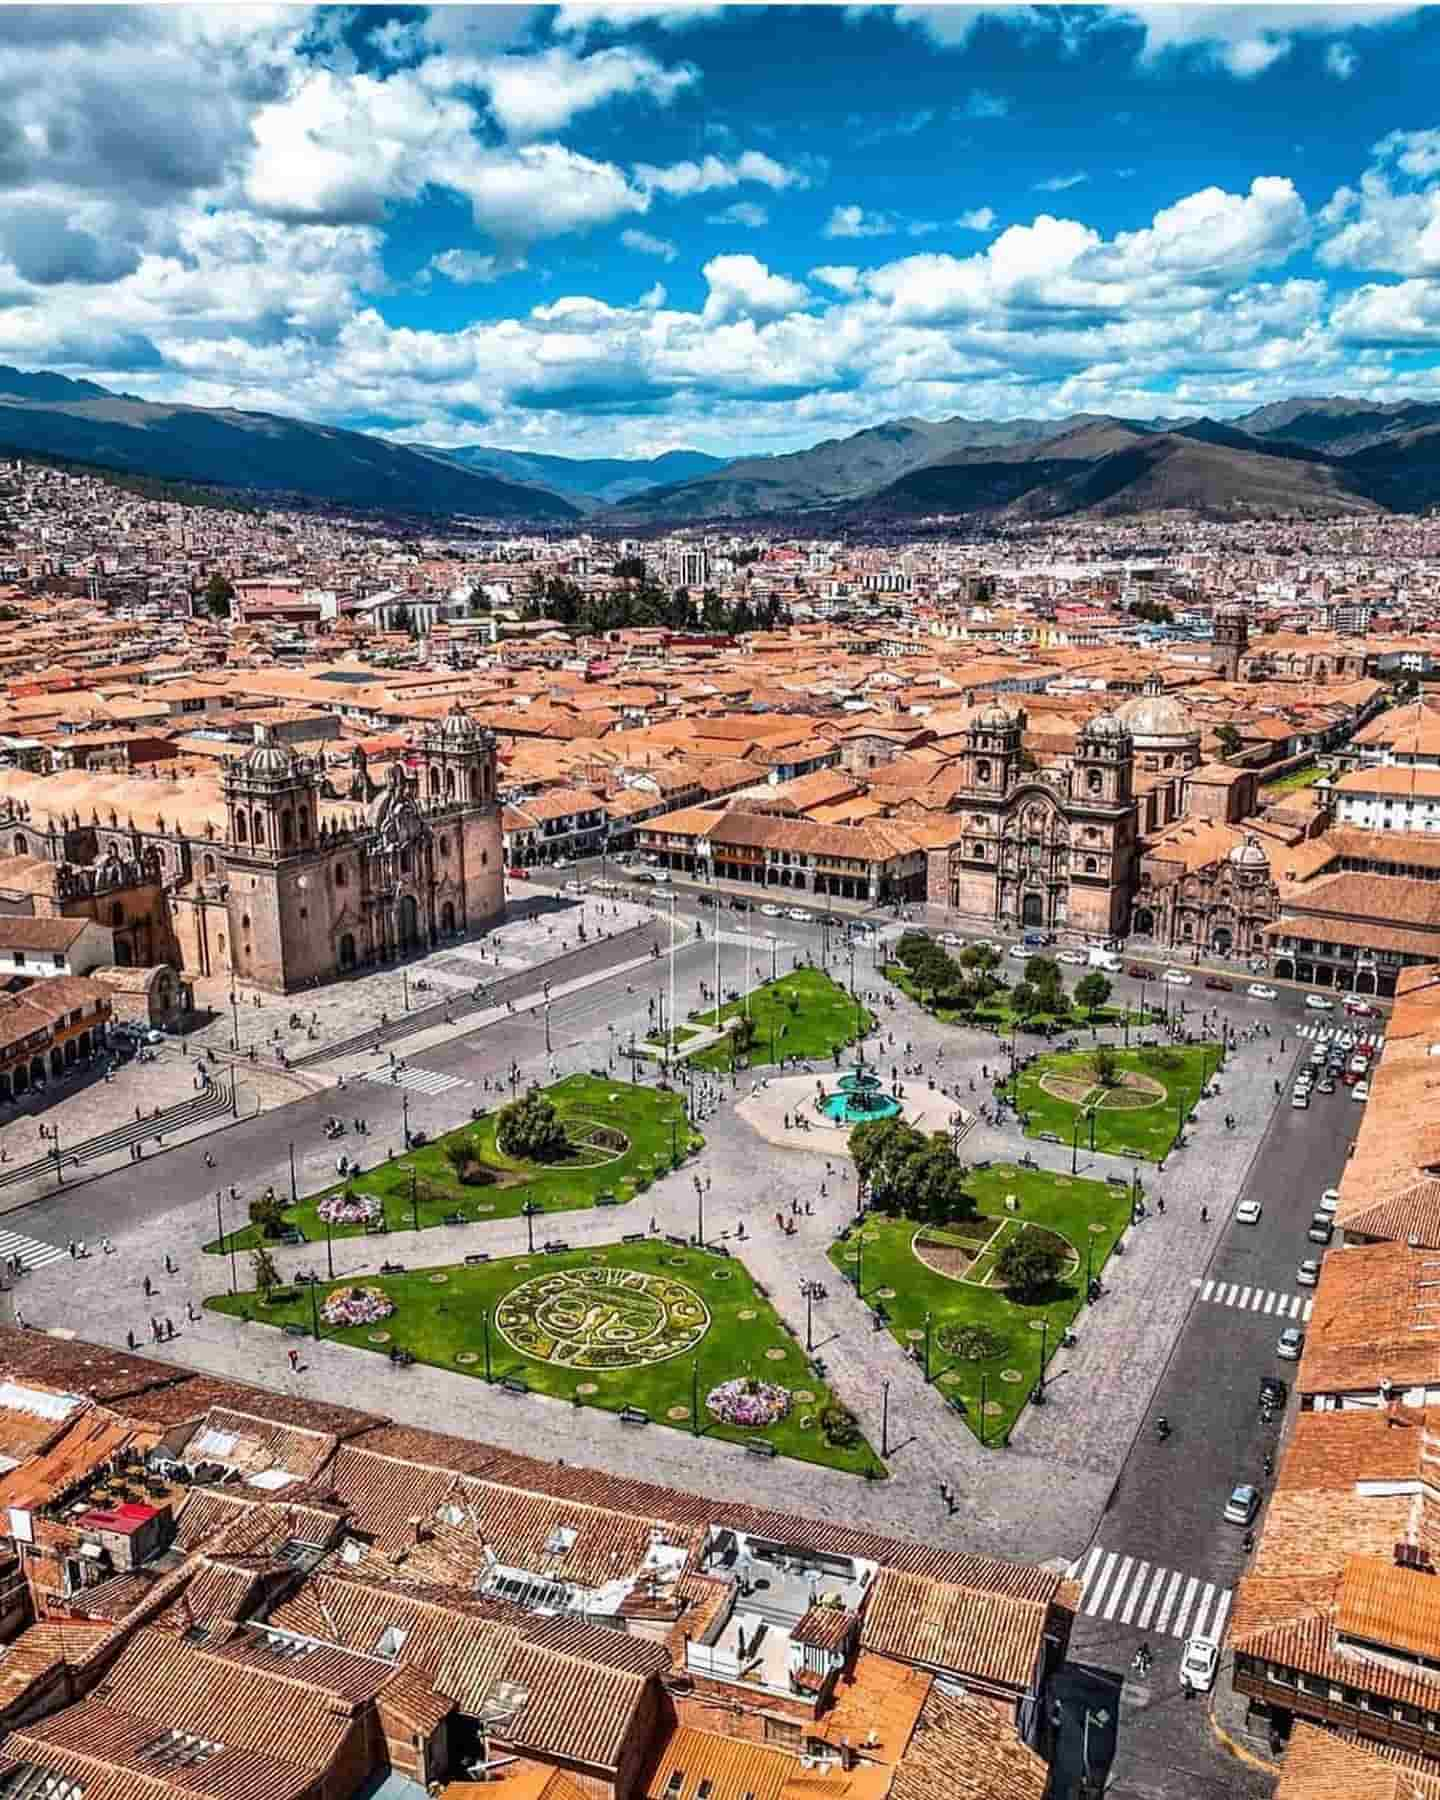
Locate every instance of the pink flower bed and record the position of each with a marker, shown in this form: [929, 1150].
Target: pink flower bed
[749, 1403]
[348, 1209]
[357, 1306]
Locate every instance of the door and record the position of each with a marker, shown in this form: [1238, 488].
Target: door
[409, 922]
[1032, 910]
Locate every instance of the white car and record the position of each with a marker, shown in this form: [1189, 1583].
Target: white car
[1360, 1091]
[1308, 1274]
[1330, 1201]
[771, 911]
[1318, 1003]
[1198, 1664]
[951, 937]
[1073, 956]
[1177, 978]
[799, 914]
[1291, 1344]
[1257, 990]
[1300, 1099]
[1248, 1212]
[1021, 952]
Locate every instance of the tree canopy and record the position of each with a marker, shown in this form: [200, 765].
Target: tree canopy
[909, 1173]
[531, 1130]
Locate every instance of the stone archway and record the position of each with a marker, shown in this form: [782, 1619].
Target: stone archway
[1032, 910]
[447, 917]
[1284, 968]
[408, 922]
[347, 951]
[1221, 939]
[1144, 925]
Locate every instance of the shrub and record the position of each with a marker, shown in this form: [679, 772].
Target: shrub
[268, 1213]
[531, 1130]
[840, 1426]
[1028, 1265]
[973, 1343]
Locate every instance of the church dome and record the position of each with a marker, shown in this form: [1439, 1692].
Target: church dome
[1250, 855]
[1106, 725]
[996, 717]
[1157, 719]
[458, 724]
[270, 760]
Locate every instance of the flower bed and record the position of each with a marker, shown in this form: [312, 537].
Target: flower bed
[748, 1402]
[357, 1306]
[348, 1209]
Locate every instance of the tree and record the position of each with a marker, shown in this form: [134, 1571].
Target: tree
[531, 1130]
[1025, 1000]
[217, 595]
[1228, 738]
[1092, 991]
[743, 1032]
[268, 1213]
[881, 1147]
[267, 1276]
[1105, 1065]
[933, 1183]
[1043, 972]
[1028, 1265]
[984, 959]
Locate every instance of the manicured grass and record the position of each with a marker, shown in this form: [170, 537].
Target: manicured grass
[651, 1120]
[1294, 782]
[1066, 1206]
[998, 1014]
[441, 1320]
[1143, 1130]
[824, 1018]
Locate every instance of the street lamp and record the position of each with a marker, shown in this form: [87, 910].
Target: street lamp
[234, 1020]
[1075, 1144]
[530, 1209]
[405, 1115]
[314, 1312]
[220, 1231]
[294, 1194]
[547, 1026]
[485, 1327]
[927, 1349]
[860, 1263]
[699, 1212]
[885, 1418]
[1089, 1268]
[1038, 1397]
[414, 1197]
[329, 1250]
[809, 1318]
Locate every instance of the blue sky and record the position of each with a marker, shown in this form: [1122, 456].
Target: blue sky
[618, 229]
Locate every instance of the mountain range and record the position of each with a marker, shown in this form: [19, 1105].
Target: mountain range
[1319, 457]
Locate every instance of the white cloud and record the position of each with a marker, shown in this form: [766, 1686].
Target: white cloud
[1058, 184]
[1404, 315]
[843, 278]
[648, 245]
[534, 95]
[742, 286]
[654, 298]
[1247, 40]
[855, 222]
[740, 212]
[1414, 153]
[982, 104]
[1341, 61]
[1386, 223]
[469, 268]
[621, 15]
[979, 218]
[682, 179]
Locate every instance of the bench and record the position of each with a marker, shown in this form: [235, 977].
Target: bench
[376, 1227]
[1048, 1137]
[635, 1237]
[606, 1200]
[760, 1447]
[392, 1268]
[634, 1415]
[455, 1218]
[475, 1257]
[556, 1246]
[292, 1234]
[296, 1331]
[982, 1165]
[680, 1243]
[515, 1384]
[717, 1250]
[1117, 1181]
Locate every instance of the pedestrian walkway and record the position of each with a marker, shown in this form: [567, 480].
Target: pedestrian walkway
[419, 1081]
[1127, 1590]
[1323, 1034]
[1257, 1299]
[31, 1251]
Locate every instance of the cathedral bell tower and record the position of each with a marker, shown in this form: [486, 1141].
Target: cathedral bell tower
[991, 757]
[1232, 640]
[1104, 762]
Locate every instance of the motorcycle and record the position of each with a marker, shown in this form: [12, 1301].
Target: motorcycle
[1162, 1428]
[1142, 1661]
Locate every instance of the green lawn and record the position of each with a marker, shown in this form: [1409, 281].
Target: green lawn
[441, 1320]
[824, 1018]
[1147, 1129]
[1294, 782]
[1084, 1213]
[998, 1015]
[653, 1122]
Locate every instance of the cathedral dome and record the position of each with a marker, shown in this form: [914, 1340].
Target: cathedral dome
[996, 717]
[269, 760]
[458, 724]
[1106, 725]
[1157, 719]
[1249, 855]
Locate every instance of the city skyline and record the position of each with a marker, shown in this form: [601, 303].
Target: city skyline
[620, 230]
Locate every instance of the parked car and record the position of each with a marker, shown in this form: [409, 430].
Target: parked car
[1248, 1212]
[1309, 1272]
[1177, 978]
[1291, 1344]
[1300, 1099]
[1199, 1662]
[772, 911]
[1360, 1091]
[1273, 1391]
[740, 904]
[1359, 1009]
[1243, 1504]
[1257, 990]
[1359, 1063]
[1326, 1085]
[1318, 1003]
[1077, 957]
[1219, 981]
[951, 937]
[1322, 1228]
[646, 877]
[1020, 952]
[1138, 972]
[798, 914]
[1330, 1201]
[518, 874]
[706, 900]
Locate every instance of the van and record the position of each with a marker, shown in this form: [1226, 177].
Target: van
[1322, 1228]
[1106, 960]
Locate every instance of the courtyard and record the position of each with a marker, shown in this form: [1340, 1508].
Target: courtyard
[622, 1136]
[682, 1336]
[985, 1347]
[804, 1014]
[1133, 1105]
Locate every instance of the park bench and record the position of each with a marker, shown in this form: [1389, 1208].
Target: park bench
[606, 1200]
[634, 1237]
[392, 1268]
[455, 1218]
[556, 1246]
[983, 1165]
[292, 1234]
[403, 1357]
[296, 1331]
[474, 1257]
[376, 1227]
[760, 1447]
[515, 1384]
[599, 1074]
[680, 1243]
[634, 1415]
[1048, 1137]
[717, 1250]
[1117, 1181]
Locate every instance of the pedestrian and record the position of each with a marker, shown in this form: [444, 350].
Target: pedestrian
[169, 1328]
[71, 1247]
[294, 1356]
[130, 1339]
[1204, 1215]
[1160, 1204]
[19, 1318]
[147, 1287]
[944, 1491]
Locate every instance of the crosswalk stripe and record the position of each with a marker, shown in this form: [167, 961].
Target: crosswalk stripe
[1245, 1297]
[1186, 1603]
[419, 1081]
[1202, 1607]
[1090, 1567]
[1265, 1301]
[1270, 1300]
[1149, 1608]
[35, 1253]
[1105, 1574]
[1222, 1613]
[1137, 1588]
[1117, 1588]
[1208, 1290]
[1309, 1308]
[1167, 1605]
[1259, 1296]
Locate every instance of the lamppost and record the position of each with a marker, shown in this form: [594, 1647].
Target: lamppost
[220, 1232]
[51, 1134]
[405, 1115]
[774, 947]
[699, 1212]
[885, 1418]
[1090, 1115]
[809, 1318]
[314, 1312]
[414, 1198]
[927, 1349]
[860, 1263]
[695, 1397]
[530, 1209]
[1075, 1144]
[485, 1327]
[547, 1025]
[1089, 1268]
[405, 977]
[1038, 1397]
[329, 1250]
[294, 1193]
[234, 1020]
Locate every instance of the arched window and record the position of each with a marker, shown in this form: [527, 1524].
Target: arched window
[1091, 865]
[287, 829]
[304, 816]
[982, 769]
[241, 829]
[340, 876]
[449, 784]
[22, 847]
[257, 825]
[474, 787]
[405, 861]
[434, 781]
[209, 865]
[1095, 781]
[244, 921]
[1169, 759]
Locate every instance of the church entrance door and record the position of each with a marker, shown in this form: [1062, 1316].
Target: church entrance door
[409, 922]
[1221, 940]
[1032, 910]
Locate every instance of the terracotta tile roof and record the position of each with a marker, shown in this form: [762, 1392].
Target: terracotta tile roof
[732, 1767]
[963, 1750]
[574, 1708]
[1320, 1764]
[1377, 1314]
[1383, 1604]
[947, 1625]
[826, 1627]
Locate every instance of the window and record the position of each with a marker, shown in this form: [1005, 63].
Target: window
[244, 921]
[1094, 781]
[340, 876]
[982, 769]
[782, 1731]
[676, 1781]
[444, 845]
[19, 959]
[1092, 864]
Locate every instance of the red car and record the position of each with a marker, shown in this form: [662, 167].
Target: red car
[1138, 972]
[1219, 981]
[518, 874]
